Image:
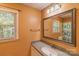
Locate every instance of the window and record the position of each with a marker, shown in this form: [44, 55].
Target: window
[55, 26]
[8, 23]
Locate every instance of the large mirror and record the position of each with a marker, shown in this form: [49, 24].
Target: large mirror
[61, 27]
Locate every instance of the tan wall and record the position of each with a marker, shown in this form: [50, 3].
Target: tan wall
[29, 18]
[63, 8]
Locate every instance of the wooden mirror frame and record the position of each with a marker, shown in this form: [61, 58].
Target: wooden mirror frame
[73, 27]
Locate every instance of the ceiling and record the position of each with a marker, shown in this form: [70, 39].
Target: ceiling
[39, 6]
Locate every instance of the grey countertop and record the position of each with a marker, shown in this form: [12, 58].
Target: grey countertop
[39, 45]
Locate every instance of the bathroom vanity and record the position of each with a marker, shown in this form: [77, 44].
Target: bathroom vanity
[40, 48]
[57, 28]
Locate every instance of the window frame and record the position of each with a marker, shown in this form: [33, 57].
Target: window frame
[16, 22]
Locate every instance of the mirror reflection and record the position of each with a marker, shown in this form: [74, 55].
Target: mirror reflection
[60, 27]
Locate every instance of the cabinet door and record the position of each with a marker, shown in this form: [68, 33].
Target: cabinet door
[34, 52]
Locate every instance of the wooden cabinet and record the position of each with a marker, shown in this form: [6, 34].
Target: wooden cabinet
[34, 52]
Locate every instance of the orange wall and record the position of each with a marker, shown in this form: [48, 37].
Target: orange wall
[29, 18]
[63, 8]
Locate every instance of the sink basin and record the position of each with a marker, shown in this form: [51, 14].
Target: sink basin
[49, 51]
